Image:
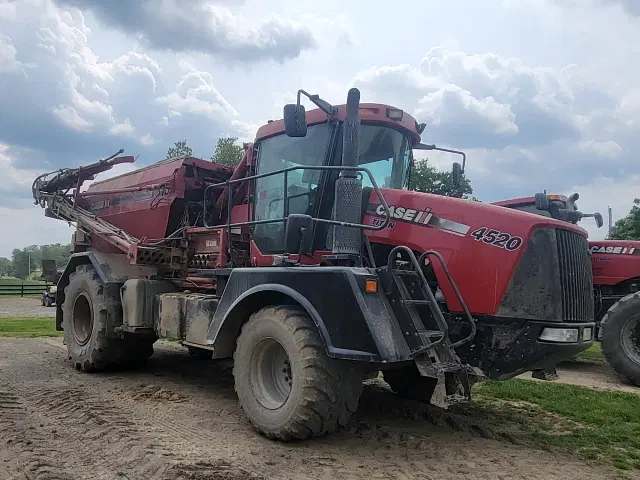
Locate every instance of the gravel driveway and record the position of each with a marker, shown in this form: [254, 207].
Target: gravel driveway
[24, 307]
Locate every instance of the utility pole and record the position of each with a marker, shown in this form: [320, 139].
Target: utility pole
[610, 220]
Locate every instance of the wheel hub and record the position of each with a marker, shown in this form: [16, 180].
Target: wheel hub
[271, 374]
[630, 339]
[82, 321]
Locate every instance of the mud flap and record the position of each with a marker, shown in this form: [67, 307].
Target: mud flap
[453, 386]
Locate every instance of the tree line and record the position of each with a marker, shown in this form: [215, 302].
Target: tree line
[227, 152]
[24, 263]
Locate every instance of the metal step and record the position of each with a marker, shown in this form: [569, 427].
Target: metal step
[405, 273]
[412, 301]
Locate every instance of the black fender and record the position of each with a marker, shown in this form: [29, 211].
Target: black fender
[260, 296]
[113, 270]
[352, 324]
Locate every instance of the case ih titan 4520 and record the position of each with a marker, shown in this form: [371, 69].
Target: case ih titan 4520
[313, 267]
[616, 278]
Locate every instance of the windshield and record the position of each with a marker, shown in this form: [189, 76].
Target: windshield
[386, 153]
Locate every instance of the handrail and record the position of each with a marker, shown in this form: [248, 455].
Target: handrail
[433, 304]
[472, 322]
[285, 171]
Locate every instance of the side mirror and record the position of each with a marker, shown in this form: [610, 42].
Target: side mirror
[456, 173]
[599, 219]
[295, 120]
[542, 201]
[298, 235]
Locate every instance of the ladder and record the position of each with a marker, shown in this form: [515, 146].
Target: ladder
[430, 344]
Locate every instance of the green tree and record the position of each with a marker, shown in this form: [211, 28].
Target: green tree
[58, 252]
[428, 179]
[227, 152]
[5, 267]
[180, 149]
[627, 228]
[22, 262]
[28, 260]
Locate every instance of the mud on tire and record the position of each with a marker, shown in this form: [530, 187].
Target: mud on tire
[280, 346]
[620, 337]
[84, 320]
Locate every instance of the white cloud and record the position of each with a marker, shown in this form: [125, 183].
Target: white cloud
[537, 101]
[208, 27]
[81, 107]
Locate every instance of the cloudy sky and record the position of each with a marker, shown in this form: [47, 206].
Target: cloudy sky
[539, 93]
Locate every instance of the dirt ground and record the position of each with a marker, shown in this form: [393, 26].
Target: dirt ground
[588, 374]
[178, 419]
[24, 307]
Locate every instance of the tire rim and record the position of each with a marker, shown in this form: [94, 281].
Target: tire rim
[630, 339]
[271, 376]
[82, 319]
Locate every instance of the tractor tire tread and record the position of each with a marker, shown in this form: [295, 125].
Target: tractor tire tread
[100, 352]
[610, 326]
[331, 387]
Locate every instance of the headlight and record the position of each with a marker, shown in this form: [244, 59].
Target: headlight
[559, 335]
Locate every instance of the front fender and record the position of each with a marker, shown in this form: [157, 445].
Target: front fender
[352, 325]
[253, 295]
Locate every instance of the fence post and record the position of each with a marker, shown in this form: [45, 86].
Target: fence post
[22, 289]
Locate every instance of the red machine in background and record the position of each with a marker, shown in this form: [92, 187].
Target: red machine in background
[616, 277]
[312, 266]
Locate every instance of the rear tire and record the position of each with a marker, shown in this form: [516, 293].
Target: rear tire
[84, 321]
[286, 384]
[620, 337]
[408, 383]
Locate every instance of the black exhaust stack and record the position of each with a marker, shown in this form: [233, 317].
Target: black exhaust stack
[348, 189]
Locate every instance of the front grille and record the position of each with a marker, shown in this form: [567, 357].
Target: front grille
[575, 277]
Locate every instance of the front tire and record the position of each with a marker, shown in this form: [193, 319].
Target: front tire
[286, 384]
[84, 321]
[620, 337]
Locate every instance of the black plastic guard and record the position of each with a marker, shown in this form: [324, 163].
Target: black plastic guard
[353, 324]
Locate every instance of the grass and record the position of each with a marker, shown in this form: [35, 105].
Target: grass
[28, 327]
[597, 426]
[593, 354]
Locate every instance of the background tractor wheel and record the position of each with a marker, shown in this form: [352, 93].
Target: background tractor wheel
[408, 383]
[620, 337]
[84, 316]
[286, 384]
